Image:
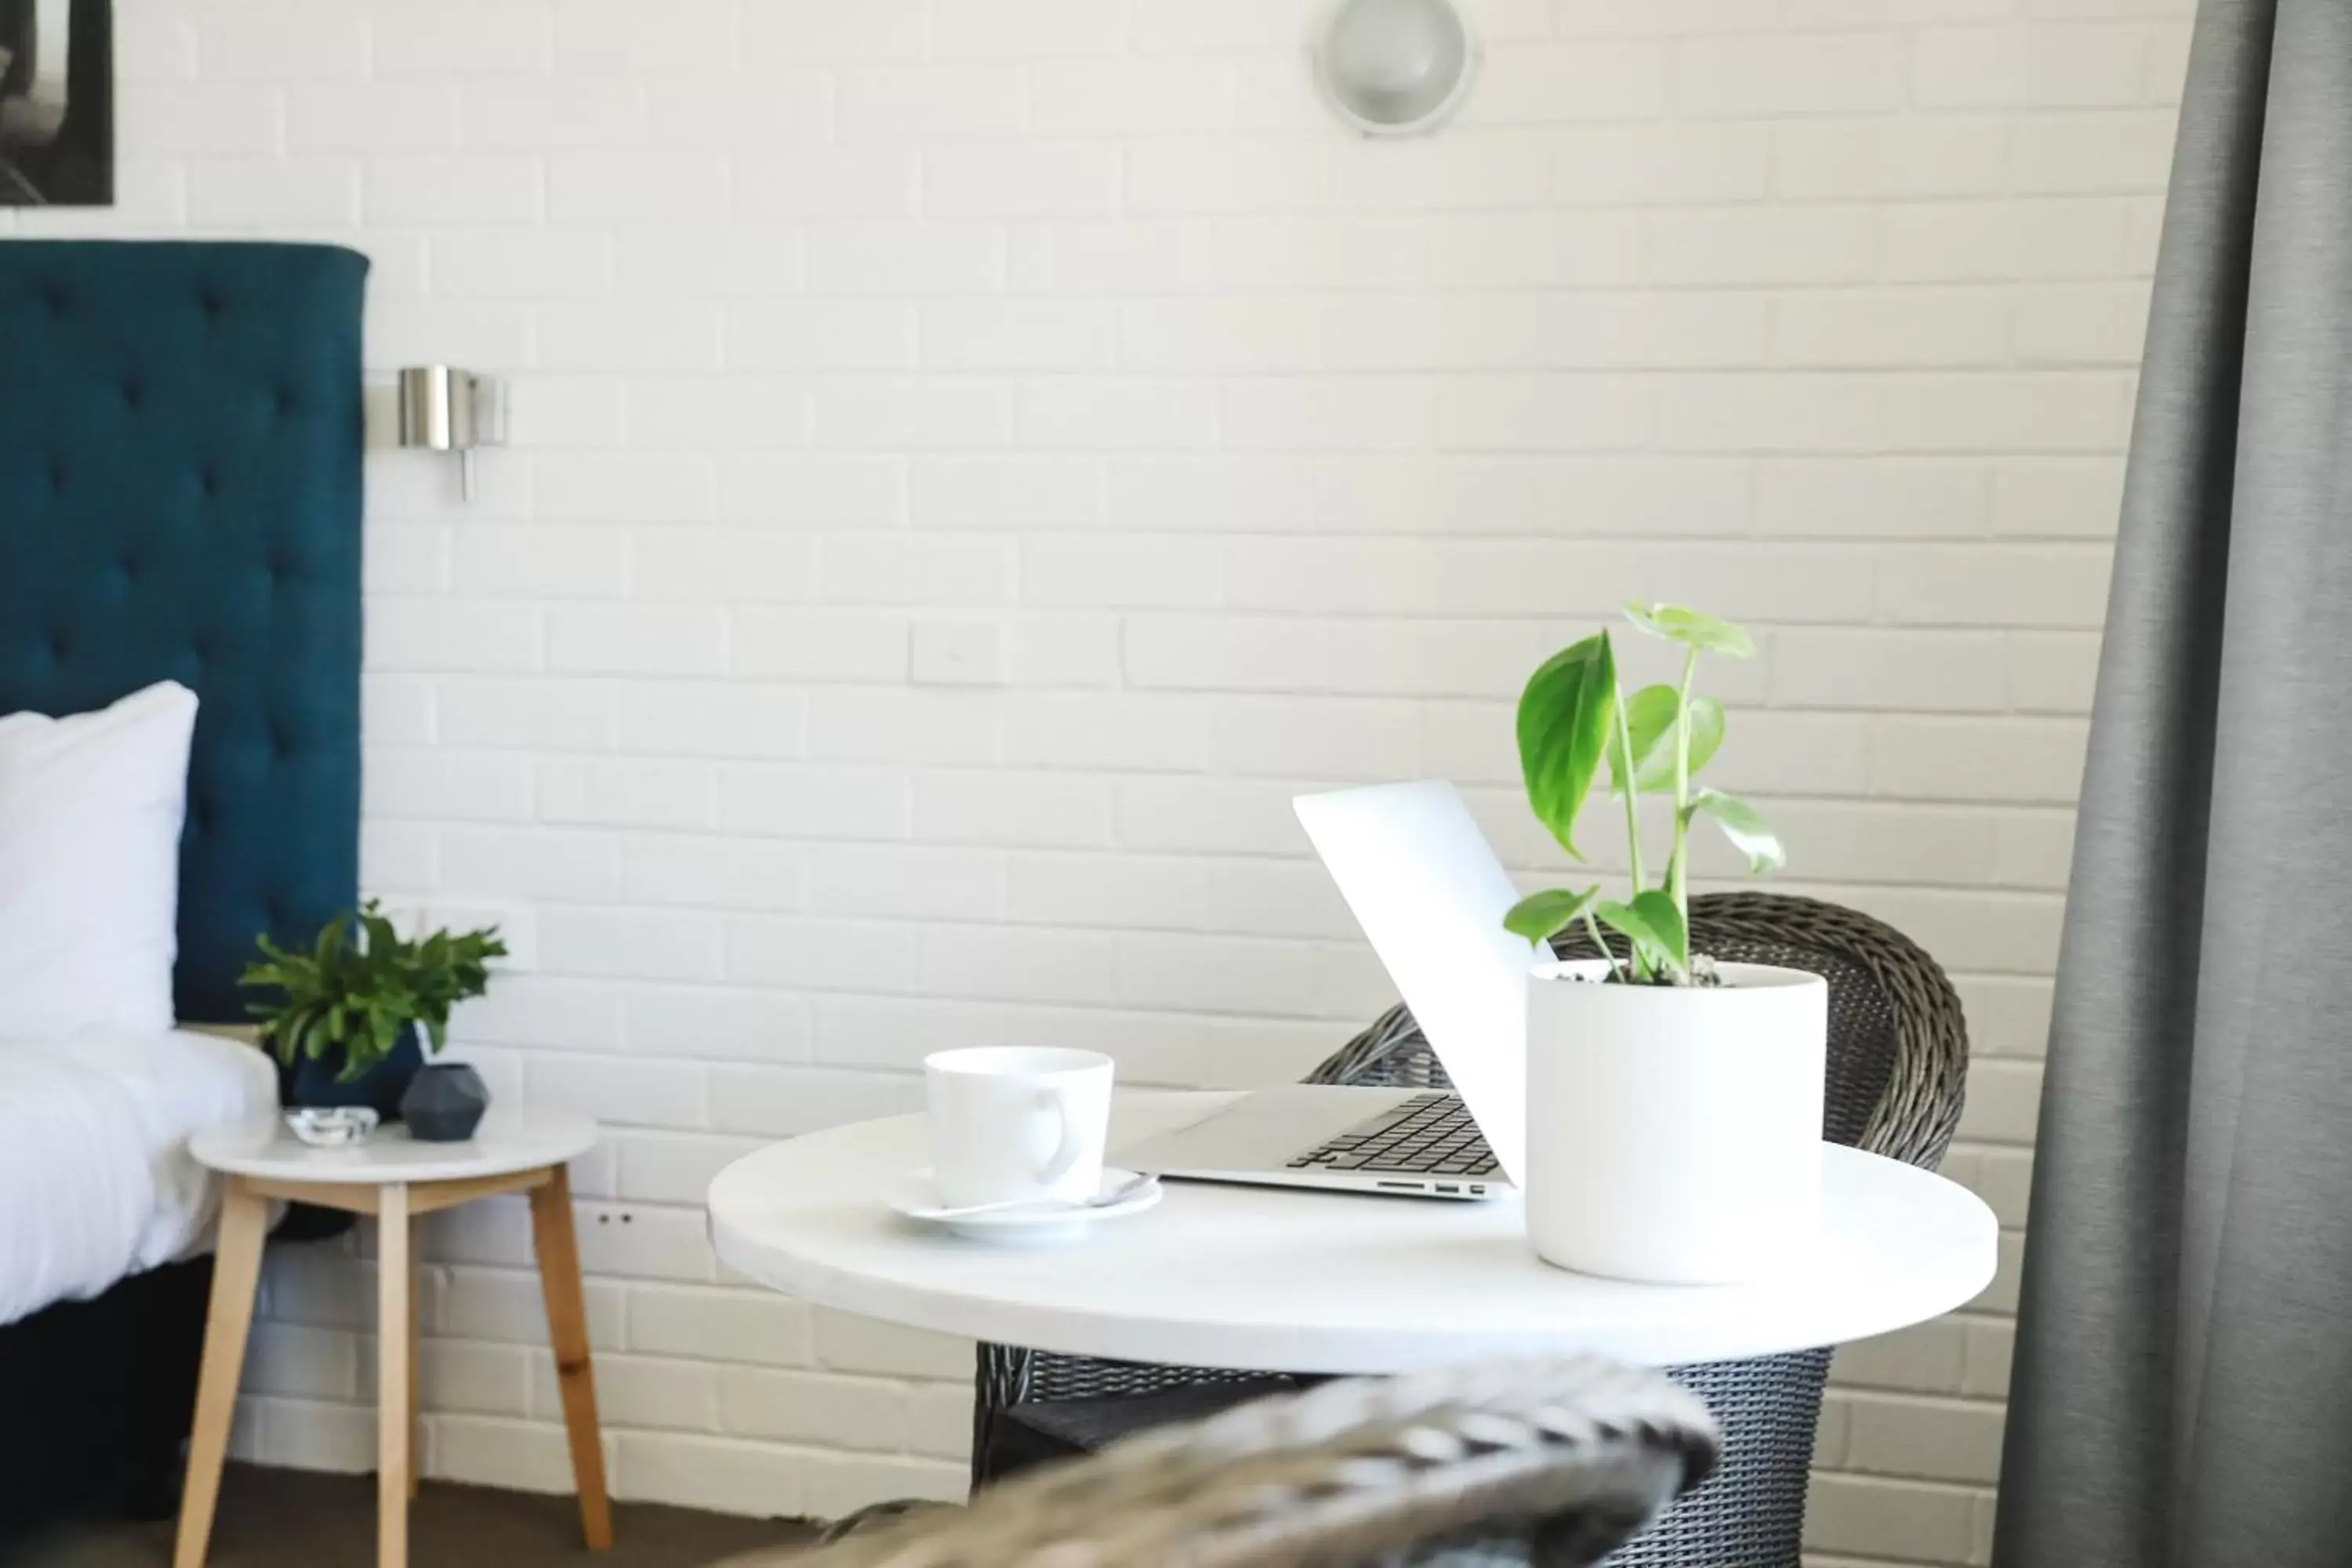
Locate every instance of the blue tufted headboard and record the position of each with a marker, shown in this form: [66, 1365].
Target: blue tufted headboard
[180, 498]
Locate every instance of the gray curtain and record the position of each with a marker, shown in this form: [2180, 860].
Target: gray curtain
[2183, 1386]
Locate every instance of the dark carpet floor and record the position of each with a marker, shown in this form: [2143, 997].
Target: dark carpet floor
[290, 1518]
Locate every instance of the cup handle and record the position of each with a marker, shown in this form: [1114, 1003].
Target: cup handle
[1070, 1146]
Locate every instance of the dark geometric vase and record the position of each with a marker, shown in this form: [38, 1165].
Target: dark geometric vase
[444, 1103]
[380, 1088]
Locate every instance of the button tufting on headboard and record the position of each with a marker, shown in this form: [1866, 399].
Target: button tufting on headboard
[180, 499]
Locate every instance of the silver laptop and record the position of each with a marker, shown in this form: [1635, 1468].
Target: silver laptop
[1428, 890]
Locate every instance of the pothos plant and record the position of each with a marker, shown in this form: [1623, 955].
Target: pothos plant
[362, 984]
[1574, 715]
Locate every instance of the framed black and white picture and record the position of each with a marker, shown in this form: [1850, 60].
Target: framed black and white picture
[57, 102]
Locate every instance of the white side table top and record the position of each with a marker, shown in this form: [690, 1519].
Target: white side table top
[1320, 1282]
[510, 1139]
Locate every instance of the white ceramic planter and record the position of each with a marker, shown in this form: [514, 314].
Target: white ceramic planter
[1674, 1135]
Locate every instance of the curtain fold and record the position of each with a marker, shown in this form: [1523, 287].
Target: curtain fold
[2182, 1391]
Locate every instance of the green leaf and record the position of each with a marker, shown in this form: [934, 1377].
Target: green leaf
[1667, 919]
[1649, 722]
[1543, 916]
[1692, 628]
[352, 991]
[1565, 715]
[1745, 827]
[1655, 927]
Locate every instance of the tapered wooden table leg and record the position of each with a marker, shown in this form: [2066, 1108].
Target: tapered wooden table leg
[415, 1337]
[567, 1328]
[237, 1271]
[396, 1298]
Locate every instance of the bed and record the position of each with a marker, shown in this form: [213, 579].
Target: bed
[96, 1184]
[180, 432]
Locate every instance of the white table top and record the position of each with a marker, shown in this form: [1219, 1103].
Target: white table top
[1321, 1282]
[510, 1139]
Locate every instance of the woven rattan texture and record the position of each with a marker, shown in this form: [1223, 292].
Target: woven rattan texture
[1897, 1064]
[1578, 1455]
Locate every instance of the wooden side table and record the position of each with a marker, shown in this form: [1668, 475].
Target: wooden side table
[519, 1150]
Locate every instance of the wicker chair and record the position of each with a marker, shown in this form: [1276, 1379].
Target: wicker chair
[1559, 1459]
[1897, 1059]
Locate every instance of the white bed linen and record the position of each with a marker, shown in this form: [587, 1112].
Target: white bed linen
[95, 1178]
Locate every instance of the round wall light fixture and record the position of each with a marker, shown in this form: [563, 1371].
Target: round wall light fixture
[1396, 68]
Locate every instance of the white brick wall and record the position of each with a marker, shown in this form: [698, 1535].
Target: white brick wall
[977, 458]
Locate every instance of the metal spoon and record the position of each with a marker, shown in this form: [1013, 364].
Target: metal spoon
[1120, 1194]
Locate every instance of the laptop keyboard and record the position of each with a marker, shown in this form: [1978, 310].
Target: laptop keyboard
[1430, 1134]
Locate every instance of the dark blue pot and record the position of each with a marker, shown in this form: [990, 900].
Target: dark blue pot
[379, 1089]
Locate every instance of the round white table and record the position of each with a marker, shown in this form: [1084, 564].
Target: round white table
[515, 1149]
[1261, 1278]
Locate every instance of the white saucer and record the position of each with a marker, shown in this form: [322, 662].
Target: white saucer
[915, 1195]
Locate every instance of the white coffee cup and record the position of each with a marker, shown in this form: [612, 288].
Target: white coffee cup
[1011, 1123]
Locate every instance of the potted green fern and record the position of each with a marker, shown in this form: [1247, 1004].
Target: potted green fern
[1674, 1103]
[348, 1012]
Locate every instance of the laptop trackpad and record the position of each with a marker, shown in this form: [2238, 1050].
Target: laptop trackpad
[1262, 1131]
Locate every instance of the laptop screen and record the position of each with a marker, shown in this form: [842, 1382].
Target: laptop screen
[1427, 889]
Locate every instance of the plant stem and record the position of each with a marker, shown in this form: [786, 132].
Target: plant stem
[1634, 966]
[1600, 943]
[1678, 868]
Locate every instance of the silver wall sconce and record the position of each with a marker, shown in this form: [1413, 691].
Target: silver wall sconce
[446, 410]
[1396, 68]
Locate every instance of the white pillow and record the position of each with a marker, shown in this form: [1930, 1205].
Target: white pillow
[91, 809]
